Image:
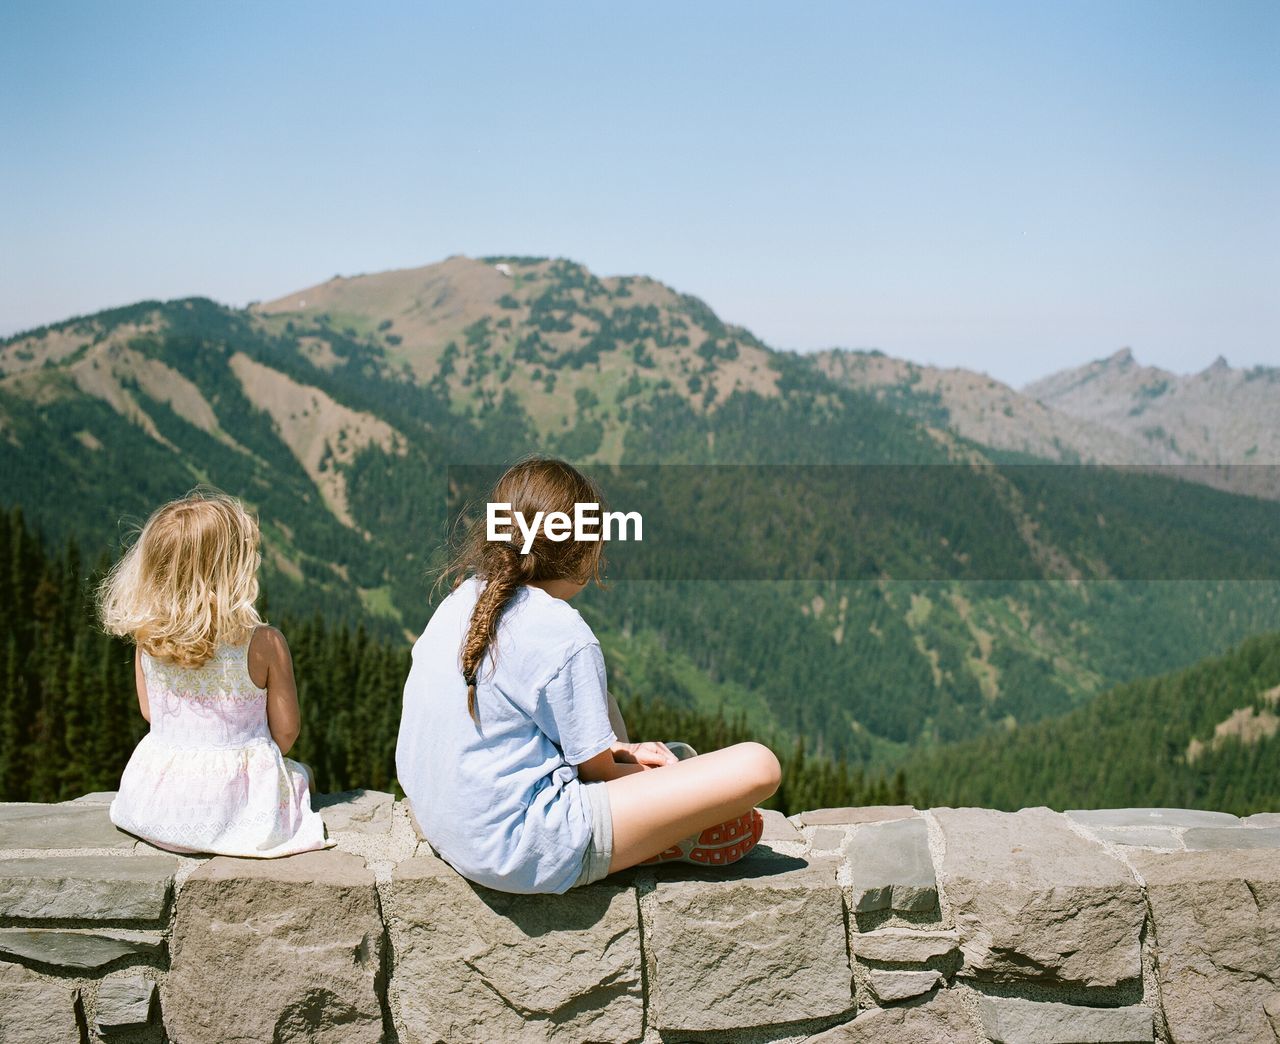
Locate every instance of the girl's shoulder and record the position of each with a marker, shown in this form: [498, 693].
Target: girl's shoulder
[265, 649]
[538, 619]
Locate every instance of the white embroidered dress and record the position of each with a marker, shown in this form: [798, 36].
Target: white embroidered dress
[208, 777]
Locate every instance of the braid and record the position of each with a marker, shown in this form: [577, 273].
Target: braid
[535, 484]
[505, 573]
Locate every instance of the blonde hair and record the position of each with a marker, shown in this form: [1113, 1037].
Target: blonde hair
[189, 581]
[532, 485]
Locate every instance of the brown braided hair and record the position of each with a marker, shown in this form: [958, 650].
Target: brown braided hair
[532, 485]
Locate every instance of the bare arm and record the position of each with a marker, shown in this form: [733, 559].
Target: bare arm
[603, 766]
[284, 720]
[140, 682]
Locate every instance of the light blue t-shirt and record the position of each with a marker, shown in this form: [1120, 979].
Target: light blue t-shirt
[501, 801]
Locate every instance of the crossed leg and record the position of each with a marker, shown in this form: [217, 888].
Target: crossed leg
[654, 809]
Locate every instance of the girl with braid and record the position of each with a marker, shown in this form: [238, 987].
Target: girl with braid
[509, 747]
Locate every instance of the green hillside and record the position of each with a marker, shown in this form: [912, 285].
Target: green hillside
[336, 411]
[1207, 736]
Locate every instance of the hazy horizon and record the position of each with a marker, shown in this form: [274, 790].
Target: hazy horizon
[1010, 188]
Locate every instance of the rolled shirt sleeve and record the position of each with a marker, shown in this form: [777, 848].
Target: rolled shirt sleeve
[573, 707]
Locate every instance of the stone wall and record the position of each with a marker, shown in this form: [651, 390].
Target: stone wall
[876, 925]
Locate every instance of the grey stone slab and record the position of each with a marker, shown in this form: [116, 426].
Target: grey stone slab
[1205, 838]
[891, 985]
[87, 888]
[941, 1019]
[97, 797]
[890, 868]
[68, 825]
[1263, 819]
[77, 949]
[124, 1003]
[855, 814]
[1136, 817]
[754, 944]
[828, 839]
[281, 949]
[355, 811]
[477, 964]
[778, 829]
[1216, 923]
[1033, 900]
[903, 945]
[1011, 1020]
[1139, 837]
[37, 1010]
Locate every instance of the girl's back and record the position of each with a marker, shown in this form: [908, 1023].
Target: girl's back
[211, 707]
[208, 777]
[500, 799]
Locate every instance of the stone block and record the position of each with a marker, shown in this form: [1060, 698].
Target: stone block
[1216, 918]
[413, 821]
[285, 949]
[1011, 1020]
[1033, 900]
[1263, 819]
[37, 1010]
[473, 963]
[855, 814]
[1138, 837]
[890, 984]
[828, 839]
[890, 868]
[87, 888]
[76, 949]
[895, 945]
[758, 943]
[1140, 817]
[124, 1004]
[1208, 838]
[779, 829]
[96, 797]
[72, 824]
[940, 1019]
[355, 811]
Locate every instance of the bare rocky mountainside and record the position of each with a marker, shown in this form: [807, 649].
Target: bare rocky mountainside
[1111, 411]
[1220, 415]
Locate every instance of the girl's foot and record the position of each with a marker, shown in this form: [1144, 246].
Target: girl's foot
[717, 845]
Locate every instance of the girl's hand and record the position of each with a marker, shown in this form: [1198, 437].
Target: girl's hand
[650, 754]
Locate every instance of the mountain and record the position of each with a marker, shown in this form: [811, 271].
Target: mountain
[980, 408]
[1220, 415]
[1210, 427]
[336, 410]
[1204, 737]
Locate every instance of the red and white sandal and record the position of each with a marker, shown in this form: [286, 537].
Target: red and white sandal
[717, 845]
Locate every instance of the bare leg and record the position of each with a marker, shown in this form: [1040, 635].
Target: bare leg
[615, 719]
[654, 809]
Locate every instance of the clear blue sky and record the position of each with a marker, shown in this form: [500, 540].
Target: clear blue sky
[1012, 187]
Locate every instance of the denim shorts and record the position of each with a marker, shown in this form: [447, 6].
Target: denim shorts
[595, 862]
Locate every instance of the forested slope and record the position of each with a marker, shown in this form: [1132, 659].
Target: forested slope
[1203, 737]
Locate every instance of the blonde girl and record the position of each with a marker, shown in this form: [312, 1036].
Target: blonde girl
[507, 750]
[216, 685]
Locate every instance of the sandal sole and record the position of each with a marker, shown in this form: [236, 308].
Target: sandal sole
[736, 838]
